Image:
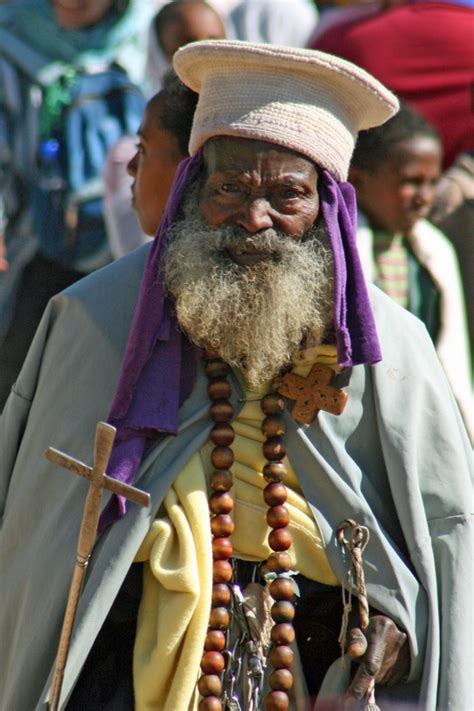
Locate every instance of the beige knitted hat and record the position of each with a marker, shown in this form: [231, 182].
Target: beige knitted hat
[308, 101]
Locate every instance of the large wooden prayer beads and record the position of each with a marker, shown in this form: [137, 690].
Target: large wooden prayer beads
[209, 685]
[282, 634]
[281, 588]
[222, 526]
[279, 562]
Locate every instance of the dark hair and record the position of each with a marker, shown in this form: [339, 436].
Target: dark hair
[175, 105]
[374, 146]
[172, 12]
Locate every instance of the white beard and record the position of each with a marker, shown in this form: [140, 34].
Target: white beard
[253, 316]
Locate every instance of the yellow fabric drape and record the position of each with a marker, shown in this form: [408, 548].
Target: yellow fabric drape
[174, 610]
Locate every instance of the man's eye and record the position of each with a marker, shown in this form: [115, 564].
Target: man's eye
[139, 147]
[229, 188]
[289, 193]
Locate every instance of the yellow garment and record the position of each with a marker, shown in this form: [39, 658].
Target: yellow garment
[174, 610]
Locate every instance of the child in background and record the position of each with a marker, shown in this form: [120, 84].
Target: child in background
[177, 23]
[395, 169]
[161, 145]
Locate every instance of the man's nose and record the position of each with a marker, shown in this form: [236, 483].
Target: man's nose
[255, 216]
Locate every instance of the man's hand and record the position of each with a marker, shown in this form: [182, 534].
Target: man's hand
[383, 654]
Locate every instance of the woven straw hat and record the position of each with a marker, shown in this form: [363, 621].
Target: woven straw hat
[308, 101]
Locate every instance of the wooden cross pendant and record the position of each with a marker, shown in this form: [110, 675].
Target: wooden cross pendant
[312, 393]
[105, 435]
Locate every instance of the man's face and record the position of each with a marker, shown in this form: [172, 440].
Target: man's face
[258, 186]
[153, 167]
[250, 272]
[74, 14]
[401, 190]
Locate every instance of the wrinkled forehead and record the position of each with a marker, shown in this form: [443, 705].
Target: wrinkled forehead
[246, 155]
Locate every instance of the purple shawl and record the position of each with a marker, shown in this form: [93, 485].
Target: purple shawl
[160, 365]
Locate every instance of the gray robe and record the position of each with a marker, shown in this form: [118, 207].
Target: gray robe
[397, 460]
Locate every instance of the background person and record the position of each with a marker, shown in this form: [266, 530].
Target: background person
[286, 22]
[162, 143]
[52, 158]
[433, 72]
[395, 170]
[176, 24]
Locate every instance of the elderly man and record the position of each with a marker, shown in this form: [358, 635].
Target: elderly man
[298, 438]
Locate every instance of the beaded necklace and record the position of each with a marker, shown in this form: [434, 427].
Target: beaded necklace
[275, 494]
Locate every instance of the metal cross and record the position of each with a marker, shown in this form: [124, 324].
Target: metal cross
[104, 439]
[312, 393]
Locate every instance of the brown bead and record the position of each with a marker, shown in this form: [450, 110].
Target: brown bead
[281, 679]
[272, 404]
[278, 516]
[219, 389]
[210, 703]
[221, 411]
[280, 539]
[282, 589]
[212, 662]
[219, 618]
[282, 611]
[274, 471]
[221, 571]
[220, 595]
[276, 701]
[221, 502]
[273, 426]
[215, 640]
[283, 633]
[221, 480]
[275, 494]
[222, 525]
[222, 434]
[279, 562]
[281, 657]
[209, 685]
[217, 368]
[221, 548]
[222, 457]
[274, 449]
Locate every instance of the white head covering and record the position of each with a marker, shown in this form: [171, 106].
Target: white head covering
[288, 23]
[308, 101]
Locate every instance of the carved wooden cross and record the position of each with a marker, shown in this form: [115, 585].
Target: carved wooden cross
[104, 439]
[312, 393]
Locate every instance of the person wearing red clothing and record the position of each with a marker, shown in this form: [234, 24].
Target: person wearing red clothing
[424, 52]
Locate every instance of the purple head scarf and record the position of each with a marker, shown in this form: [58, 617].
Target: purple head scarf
[356, 335]
[160, 364]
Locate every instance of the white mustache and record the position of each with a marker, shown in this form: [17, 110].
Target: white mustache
[269, 242]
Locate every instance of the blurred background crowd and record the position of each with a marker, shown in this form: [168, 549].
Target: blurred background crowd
[75, 79]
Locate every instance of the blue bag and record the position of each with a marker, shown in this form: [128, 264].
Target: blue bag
[67, 193]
